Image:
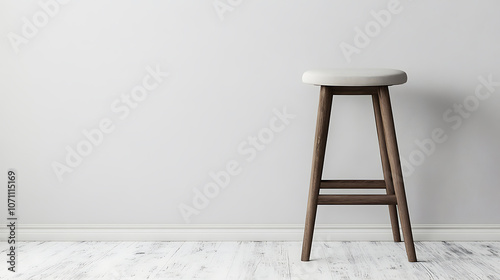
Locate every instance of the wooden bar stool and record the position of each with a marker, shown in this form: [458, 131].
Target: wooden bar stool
[372, 82]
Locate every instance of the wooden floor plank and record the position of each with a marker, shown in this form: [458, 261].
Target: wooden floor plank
[254, 260]
[316, 268]
[260, 260]
[75, 260]
[221, 262]
[134, 260]
[189, 262]
[35, 262]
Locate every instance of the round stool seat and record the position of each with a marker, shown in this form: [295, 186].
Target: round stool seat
[355, 77]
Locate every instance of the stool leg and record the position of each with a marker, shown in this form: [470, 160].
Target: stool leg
[322, 123]
[397, 175]
[393, 213]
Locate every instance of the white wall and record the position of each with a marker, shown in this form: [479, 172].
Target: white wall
[226, 78]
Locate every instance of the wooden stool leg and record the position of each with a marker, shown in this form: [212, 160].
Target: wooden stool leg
[393, 213]
[322, 123]
[397, 174]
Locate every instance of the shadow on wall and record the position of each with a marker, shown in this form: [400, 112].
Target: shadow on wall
[450, 152]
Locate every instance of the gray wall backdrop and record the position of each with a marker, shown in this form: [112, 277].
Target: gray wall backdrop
[99, 133]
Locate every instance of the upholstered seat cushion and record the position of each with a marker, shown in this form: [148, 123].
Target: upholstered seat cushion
[354, 77]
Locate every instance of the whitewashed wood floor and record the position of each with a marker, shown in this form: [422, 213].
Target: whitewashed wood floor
[253, 260]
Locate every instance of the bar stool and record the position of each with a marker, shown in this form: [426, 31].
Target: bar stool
[374, 82]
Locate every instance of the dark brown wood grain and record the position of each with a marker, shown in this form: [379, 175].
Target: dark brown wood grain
[336, 90]
[356, 199]
[391, 166]
[322, 123]
[386, 168]
[397, 174]
[352, 184]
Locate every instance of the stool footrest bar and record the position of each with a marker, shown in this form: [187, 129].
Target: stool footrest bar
[354, 199]
[352, 184]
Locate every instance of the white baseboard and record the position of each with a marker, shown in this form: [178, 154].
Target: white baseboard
[153, 232]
